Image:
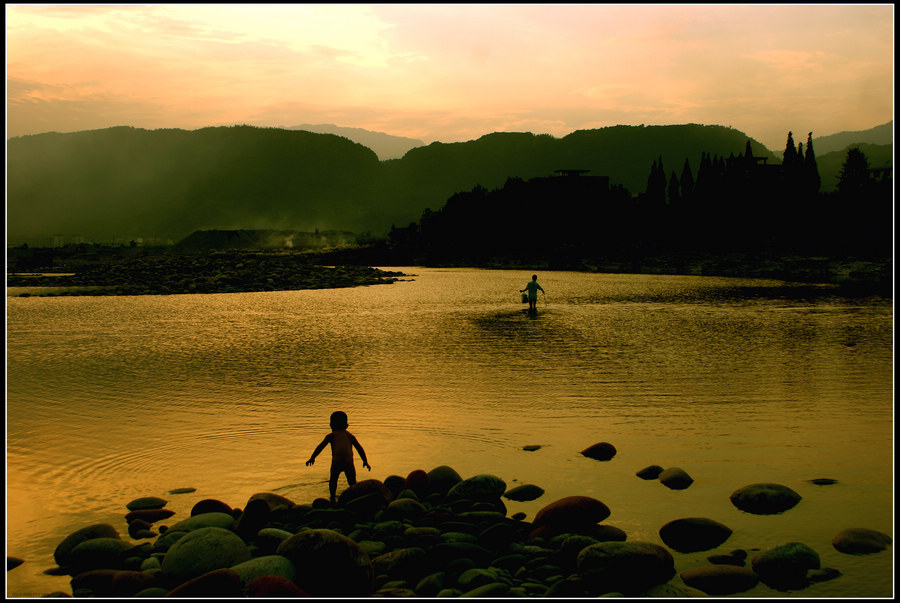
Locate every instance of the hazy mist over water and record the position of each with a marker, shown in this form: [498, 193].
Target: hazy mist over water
[735, 381]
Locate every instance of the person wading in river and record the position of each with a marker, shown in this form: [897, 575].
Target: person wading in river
[532, 289]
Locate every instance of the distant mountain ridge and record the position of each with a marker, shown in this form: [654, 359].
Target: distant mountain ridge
[883, 134]
[386, 146]
[129, 182]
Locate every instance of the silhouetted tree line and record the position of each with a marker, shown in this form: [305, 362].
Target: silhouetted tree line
[736, 203]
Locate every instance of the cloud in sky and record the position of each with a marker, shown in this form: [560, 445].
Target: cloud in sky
[450, 72]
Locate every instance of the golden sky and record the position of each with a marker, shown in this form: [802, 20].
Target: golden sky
[451, 72]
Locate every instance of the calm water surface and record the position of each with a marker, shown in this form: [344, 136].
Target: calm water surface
[735, 381]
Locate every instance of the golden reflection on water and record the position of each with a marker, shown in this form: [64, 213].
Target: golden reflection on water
[109, 399]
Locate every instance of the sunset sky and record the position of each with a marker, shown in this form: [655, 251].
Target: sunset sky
[451, 72]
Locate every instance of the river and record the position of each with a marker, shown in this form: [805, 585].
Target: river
[736, 381]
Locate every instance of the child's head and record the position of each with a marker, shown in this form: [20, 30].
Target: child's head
[339, 420]
[534, 277]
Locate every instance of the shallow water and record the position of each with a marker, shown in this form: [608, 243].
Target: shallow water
[735, 381]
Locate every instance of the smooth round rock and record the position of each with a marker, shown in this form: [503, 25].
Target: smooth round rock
[149, 515]
[720, 579]
[203, 550]
[861, 541]
[417, 481]
[671, 591]
[479, 487]
[267, 565]
[129, 583]
[404, 508]
[372, 489]
[524, 493]
[650, 472]
[675, 478]
[329, 564]
[442, 478]
[146, 502]
[786, 565]
[394, 483]
[402, 564]
[693, 534]
[572, 513]
[273, 500]
[764, 499]
[62, 554]
[626, 567]
[268, 539]
[601, 451]
[223, 521]
[100, 553]
[210, 505]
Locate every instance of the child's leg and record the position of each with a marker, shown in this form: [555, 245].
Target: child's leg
[350, 472]
[332, 483]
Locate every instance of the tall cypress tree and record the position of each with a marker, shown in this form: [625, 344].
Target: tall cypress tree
[687, 181]
[789, 157]
[811, 169]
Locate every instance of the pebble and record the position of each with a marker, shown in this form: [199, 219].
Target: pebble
[446, 536]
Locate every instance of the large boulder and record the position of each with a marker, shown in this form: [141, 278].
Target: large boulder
[785, 566]
[366, 497]
[693, 534]
[764, 498]
[62, 554]
[210, 505]
[329, 564]
[222, 583]
[720, 579]
[571, 514]
[204, 520]
[675, 478]
[624, 567]
[442, 478]
[861, 541]
[100, 553]
[601, 451]
[203, 550]
[479, 487]
[273, 500]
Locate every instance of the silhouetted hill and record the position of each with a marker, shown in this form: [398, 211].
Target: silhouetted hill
[128, 182]
[386, 146]
[879, 135]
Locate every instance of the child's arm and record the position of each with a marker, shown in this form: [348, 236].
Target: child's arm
[362, 453]
[318, 449]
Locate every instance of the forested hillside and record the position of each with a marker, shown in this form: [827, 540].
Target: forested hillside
[128, 182]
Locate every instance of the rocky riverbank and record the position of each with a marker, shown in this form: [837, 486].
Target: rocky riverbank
[217, 272]
[434, 534]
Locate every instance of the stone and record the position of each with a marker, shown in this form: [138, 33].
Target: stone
[329, 564]
[13, 562]
[441, 479]
[720, 579]
[823, 481]
[650, 472]
[860, 541]
[210, 505]
[726, 560]
[417, 481]
[407, 493]
[182, 490]
[203, 550]
[431, 584]
[524, 493]
[253, 518]
[571, 513]
[475, 577]
[364, 488]
[146, 502]
[62, 554]
[479, 487]
[404, 509]
[138, 528]
[402, 564]
[204, 520]
[602, 451]
[785, 566]
[531, 447]
[569, 545]
[675, 478]
[100, 553]
[267, 565]
[223, 583]
[693, 534]
[496, 537]
[94, 583]
[149, 515]
[165, 541]
[765, 499]
[394, 483]
[626, 567]
[274, 587]
[823, 575]
[268, 539]
[272, 500]
[154, 592]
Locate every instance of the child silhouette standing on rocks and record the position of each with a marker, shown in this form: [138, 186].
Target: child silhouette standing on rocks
[342, 444]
